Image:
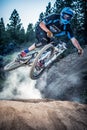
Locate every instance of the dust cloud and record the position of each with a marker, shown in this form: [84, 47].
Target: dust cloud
[18, 84]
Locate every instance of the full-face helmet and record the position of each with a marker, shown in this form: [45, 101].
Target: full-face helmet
[66, 15]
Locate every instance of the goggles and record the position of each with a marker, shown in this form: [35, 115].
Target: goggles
[66, 17]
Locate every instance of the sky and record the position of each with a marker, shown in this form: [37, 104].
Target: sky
[28, 10]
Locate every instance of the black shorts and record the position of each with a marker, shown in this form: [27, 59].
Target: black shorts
[41, 36]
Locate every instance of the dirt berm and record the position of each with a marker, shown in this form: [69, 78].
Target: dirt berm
[42, 114]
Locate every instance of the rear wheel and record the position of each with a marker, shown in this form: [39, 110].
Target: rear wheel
[12, 65]
[38, 65]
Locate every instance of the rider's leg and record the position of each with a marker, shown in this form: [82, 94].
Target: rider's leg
[23, 53]
[41, 41]
[32, 47]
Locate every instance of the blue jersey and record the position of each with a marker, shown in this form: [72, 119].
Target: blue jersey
[53, 23]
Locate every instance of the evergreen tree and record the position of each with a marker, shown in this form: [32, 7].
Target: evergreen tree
[79, 18]
[46, 13]
[48, 9]
[15, 26]
[2, 26]
[60, 4]
[30, 34]
[2, 33]
[22, 35]
[41, 16]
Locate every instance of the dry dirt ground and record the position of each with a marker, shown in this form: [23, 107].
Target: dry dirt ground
[42, 115]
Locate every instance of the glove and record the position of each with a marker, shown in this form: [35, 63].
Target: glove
[49, 34]
[80, 51]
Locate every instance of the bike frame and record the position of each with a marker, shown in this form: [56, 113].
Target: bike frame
[47, 53]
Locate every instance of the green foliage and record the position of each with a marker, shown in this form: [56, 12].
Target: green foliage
[30, 34]
[14, 28]
[3, 35]
[79, 18]
[41, 16]
[2, 26]
[48, 9]
[21, 35]
[60, 4]
[15, 33]
[2, 31]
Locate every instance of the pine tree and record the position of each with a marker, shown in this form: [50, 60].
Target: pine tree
[78, 21]
[58, 5]
[2, 25]
[15, 26]
[41, 16]
[22, 35]
[2, 33]
[48, 9]
[30, 34]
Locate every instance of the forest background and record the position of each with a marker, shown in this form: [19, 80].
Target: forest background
[13, 36]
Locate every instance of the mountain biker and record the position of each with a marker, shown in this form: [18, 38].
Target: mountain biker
[54, 25]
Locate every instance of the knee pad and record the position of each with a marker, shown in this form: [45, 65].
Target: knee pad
[37, 45]
[44, 41]
[41, 42]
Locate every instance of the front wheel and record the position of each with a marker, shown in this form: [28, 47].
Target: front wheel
[38, 65]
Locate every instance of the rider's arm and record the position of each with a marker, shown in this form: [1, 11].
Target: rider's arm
[46, 21]
[74, 40]
[43, 27]
[77, 45]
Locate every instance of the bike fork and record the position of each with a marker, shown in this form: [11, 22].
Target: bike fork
[53, 58]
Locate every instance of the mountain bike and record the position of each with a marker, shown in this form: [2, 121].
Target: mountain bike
[38, 59]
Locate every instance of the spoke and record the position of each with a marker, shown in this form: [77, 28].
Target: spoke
[45, 57]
